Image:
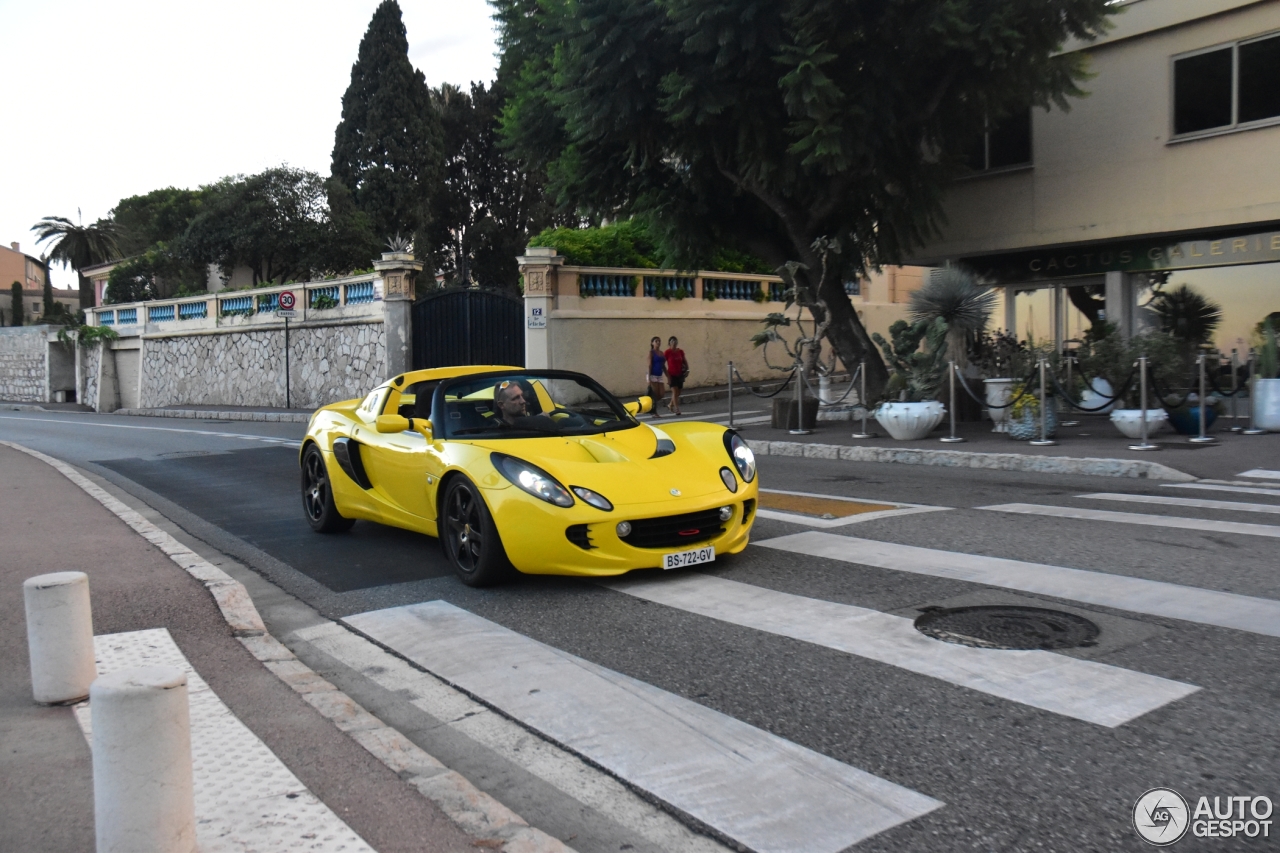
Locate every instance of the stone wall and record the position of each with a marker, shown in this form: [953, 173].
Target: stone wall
[246, 368]
[90, 374]
[24, 354]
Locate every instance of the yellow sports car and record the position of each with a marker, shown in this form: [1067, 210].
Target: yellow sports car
[543, 471]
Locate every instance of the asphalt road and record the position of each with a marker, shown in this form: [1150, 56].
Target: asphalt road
[1012, 776]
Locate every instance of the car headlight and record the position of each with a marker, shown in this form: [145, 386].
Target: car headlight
[596, 499]
[532, 479]
[743, 459]
[730, 481]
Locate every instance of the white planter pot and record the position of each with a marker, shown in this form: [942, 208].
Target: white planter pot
[1094, 396]
[1129, 421]
[910, 421]
[999, 393]
[1266, 404]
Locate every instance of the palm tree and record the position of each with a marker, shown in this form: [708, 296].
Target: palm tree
[79, 246]
[1187, 315]
[955, 295]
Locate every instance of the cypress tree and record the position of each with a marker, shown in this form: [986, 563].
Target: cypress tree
[18, 317]
[388, 148]
[48, 293]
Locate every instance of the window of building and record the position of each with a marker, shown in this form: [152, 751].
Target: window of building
[1227, 86]
[1004, 144]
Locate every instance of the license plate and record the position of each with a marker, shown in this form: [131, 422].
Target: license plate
[680, 559]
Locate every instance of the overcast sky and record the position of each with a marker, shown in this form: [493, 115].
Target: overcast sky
[108, 99]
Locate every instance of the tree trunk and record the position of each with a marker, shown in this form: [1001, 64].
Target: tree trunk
[849, 338]
[86, 292]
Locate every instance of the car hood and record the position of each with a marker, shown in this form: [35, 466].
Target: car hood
[619, 464]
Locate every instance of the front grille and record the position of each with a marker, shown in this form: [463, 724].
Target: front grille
[748, 507]
[580, 535]
[675, 530]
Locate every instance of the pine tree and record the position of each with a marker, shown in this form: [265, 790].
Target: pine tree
[388, 147]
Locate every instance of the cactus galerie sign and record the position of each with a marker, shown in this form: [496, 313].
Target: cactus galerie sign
[1128, 256]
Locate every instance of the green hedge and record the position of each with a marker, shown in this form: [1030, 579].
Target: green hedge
[628, 244]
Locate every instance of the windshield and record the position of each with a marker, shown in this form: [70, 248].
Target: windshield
[526, 405]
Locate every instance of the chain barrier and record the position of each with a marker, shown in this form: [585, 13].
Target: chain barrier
[1026, 389]
[1163, 393]
[853, 380]
[1213, 383]
[1124, 387]
[785, 384]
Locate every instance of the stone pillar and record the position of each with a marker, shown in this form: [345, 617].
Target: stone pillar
[1122, 302]
[399, 273]
[539, 266]
[1059, 317]
[1011, 310]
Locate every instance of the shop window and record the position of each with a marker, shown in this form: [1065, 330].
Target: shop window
[1004, 144]
[1225, 87]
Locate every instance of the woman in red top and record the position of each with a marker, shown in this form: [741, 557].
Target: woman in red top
[677, 370]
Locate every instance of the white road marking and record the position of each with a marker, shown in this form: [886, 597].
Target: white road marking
[1136, 595]
[810, 521]
[754, 787]
[1211, 487]
[246, 798]
[1236, 506]
[513, 742]
[1261, 474]
[848, 499]
[268, 439]
[1239, 527]
[1085, 690]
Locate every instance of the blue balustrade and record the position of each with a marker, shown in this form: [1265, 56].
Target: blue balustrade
[127, 316]
[159, 313]
[853, 288]
[236, 305]
[319, 294]
[106, 318]
[668, 286]
[269, 302]
[193, 310]
[599, 284]
[359, 293]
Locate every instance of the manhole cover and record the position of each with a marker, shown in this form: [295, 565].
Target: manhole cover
[1004, 627]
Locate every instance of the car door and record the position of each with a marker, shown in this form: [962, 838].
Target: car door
[403, 470]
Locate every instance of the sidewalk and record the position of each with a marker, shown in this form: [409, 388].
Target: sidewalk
[46, 789]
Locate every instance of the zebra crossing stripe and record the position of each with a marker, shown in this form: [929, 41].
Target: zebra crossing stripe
[1226, 487]
[1136, 595]
[1261, 474]
[754, 787]
[1239, 527]
[1086, 690]
[1197, 503]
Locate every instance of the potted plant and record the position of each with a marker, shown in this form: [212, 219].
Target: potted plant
[999, 357]
[916, 373]
[1266, 385]
[1189, 320]
[1111, 358]
[954, 295]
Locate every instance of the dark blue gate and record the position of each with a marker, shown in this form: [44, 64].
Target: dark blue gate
[468, 325]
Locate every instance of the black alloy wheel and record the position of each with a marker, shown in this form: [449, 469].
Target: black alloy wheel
[470, 537]
[317, 496]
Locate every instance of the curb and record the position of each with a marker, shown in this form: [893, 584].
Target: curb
[1089, 466]
[492, 824]
[202, 415]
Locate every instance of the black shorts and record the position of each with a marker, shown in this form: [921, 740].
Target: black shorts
[676, 381]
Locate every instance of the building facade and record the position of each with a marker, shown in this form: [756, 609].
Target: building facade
[30, 272]
[1169, 164]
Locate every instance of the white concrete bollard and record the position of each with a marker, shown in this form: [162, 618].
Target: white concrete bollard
[59, 636]
[144, 801]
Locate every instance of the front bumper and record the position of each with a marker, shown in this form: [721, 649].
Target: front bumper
[534, 533]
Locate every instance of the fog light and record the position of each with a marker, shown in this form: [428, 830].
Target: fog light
[726, 513]
[624, 529]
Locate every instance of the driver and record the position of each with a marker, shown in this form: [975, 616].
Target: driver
[513, 409]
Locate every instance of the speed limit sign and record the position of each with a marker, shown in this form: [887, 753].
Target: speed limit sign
[287, 301]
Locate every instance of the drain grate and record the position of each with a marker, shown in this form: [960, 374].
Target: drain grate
[1005, 627]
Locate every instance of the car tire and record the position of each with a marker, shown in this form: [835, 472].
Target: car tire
[317, 495]
[470, 538]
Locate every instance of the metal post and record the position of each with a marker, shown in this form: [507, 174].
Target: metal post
[1144, 444]
[862, 401]
[953, 438]
[1043, 440]
[1069, 357]
[1253, 390]
[288, 401]
[800, 430]
[1202, 438]
[1235, 391]
[731, 395]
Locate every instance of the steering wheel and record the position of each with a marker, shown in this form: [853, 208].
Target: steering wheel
[568, 418]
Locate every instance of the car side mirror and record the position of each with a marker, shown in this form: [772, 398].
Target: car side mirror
[640, 406]
[392, 423]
